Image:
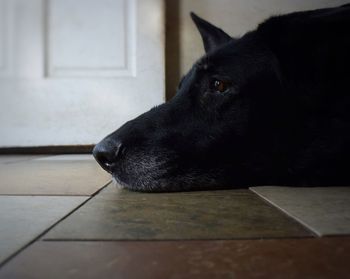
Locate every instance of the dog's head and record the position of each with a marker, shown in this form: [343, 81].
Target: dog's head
[208, 135]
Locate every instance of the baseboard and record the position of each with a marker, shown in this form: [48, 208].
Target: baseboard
[56, 149]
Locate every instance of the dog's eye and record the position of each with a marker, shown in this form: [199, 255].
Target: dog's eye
[220, 85]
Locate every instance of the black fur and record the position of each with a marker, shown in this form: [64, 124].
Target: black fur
[284, 118]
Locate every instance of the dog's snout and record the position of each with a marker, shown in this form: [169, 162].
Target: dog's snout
[107, 153]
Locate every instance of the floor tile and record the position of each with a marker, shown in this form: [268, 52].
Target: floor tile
[24, 218]
[325, 210]
[277, 258]
[121, 214]
[52, 177]
[7, 159]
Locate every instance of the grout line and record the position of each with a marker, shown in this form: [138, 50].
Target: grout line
[176, 239]
[290, 215]
[38, 237]
[43, 195]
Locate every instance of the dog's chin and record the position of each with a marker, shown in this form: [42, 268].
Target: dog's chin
[120, 184]
[160, 174]
[117, 183]
[186, 182]
[142, 186]
[135, 185]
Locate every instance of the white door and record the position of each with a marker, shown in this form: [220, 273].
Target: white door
[72, 71]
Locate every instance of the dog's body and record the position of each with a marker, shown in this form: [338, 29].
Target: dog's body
[272, 107]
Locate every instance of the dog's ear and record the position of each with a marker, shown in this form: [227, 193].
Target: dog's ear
[212, 36]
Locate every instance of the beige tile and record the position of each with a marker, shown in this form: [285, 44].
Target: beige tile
[52, 177]
[325, 210]
[121, 214]
[325, 258]
[24, 218]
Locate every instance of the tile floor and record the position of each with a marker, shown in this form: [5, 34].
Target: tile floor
[324, 210]
[60, 218]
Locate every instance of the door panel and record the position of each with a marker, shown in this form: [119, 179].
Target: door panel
[70, 31]
[73, 71]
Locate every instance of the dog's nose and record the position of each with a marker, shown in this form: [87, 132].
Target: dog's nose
[106, 153]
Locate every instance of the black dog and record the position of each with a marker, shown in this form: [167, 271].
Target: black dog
[269, 108]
